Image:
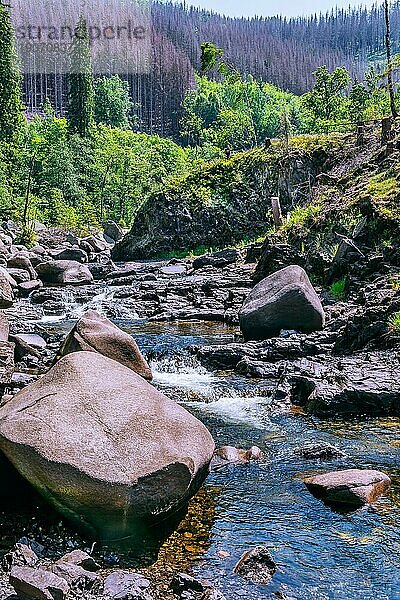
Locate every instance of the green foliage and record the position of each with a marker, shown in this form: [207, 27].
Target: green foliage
[394, 323]
[326, 103]
[210, 55]
[78, 182]
[113, 105]
[338, 289]
[80, 83]
[28, 237]
[12, 121]
[395, 282]
[235, 111]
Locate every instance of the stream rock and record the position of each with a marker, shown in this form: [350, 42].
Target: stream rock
[131, 456]
[76, 576]
[319, 451]
[363, 384]
[113, 231]
[64, 272]
[95, 333]
[126, 585]
[219, 260]
[81, 559]
[37, 584]
[256, 565]
[20, 556]
[351, 487]
[285, 300]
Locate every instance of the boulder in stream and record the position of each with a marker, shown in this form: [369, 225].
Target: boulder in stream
[351, 487]
[286, 300]
[256, 565]
[95, 333]
[106, 448]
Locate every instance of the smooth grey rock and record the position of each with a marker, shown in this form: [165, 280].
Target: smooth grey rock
[125, 585]
[95, 333]
[64, 272]
[81, 559]
[76, 576]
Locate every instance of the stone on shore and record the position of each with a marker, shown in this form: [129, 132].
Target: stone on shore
[286, 300]
[64, 272]
[126, 585]
[102, 445]
[37, 584]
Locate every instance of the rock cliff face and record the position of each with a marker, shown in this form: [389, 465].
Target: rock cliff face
[222, 204]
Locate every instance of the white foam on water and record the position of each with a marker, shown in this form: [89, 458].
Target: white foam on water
[249, 410]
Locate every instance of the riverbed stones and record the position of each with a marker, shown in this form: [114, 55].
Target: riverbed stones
[286, 300]
[221, 259]
[130, 455]
[126, 585]
[113, 231]
[95, 333]
[350, 487]
[64, 272]
[37, 584]
[70, 253]
[256, 565]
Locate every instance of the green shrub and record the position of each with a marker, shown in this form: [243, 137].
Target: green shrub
[394, 323]
[338, 289]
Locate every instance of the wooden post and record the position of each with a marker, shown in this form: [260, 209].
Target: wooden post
[277, 211]
[387, 133]
[360, 135]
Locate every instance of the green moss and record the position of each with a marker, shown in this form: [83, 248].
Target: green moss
[338, 289]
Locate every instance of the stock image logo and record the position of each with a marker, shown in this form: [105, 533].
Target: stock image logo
[49, 32]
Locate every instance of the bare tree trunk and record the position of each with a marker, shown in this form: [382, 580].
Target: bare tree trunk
[28, 189]
[389, 62]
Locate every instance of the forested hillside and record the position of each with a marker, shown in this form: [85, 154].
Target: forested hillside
[281, 51]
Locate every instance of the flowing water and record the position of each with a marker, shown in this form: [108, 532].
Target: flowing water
[320, 553]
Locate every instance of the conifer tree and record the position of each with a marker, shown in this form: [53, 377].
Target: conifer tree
[11, 106]
[80, 83]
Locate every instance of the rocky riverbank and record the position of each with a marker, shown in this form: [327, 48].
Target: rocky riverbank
[343, 363]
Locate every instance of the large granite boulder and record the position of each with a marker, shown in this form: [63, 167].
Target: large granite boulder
[95, 333]
[284, 300]
[64, 272]
[104, 447]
